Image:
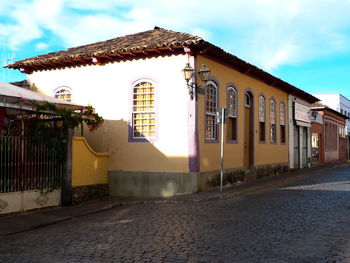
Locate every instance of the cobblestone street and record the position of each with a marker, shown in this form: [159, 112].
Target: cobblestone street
[307, 221]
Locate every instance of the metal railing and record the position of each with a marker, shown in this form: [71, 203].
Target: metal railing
[28, 163]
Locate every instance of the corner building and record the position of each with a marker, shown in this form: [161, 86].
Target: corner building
[163, 141]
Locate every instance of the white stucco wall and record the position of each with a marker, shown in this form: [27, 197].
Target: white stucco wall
[331, 100]
[292, 99]
[109, 89]
[345, 105]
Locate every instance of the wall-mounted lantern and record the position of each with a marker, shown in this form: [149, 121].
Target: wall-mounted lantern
[193, 88]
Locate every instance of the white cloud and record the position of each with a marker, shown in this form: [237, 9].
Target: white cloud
[47, 10]
[41, 46]
[268, 33]
[22, 31]
[289, 32]
[279, 56]
[94, 5]
[89, 29]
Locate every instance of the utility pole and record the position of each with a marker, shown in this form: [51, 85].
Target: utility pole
[221, 117]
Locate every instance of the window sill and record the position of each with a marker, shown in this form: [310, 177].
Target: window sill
[211, 141]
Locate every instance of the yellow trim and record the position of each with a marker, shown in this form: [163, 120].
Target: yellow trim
[78, 138]
[88, 166]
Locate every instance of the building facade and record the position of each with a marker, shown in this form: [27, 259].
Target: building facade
[299, 133]
[162, 140]
[329, 141]
[339, 103]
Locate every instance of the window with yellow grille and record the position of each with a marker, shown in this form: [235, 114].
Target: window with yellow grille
[63, 94]
[143, 110]
[210, 111]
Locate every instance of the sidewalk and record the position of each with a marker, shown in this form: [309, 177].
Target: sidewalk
[11, 224]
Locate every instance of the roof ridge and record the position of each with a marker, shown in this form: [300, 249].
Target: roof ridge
[150, 39]
[156, 28]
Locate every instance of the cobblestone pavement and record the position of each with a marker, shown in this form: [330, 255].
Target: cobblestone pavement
[307, 221]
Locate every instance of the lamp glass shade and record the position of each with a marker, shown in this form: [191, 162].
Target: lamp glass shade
[188, 72]
[204, 73]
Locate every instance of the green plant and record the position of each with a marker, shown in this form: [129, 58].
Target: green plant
[72, 118]
[47, 129]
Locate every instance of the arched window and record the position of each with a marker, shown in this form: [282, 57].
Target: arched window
[143, 112]
[262, 118]
[273, 133]
[283, 121]
[247, 101]
[63, 93]
[232, 113]
[210, 110]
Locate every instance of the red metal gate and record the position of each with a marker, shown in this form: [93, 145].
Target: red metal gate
[28, 162]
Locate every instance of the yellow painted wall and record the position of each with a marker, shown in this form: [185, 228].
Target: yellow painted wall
[263, 153]
[88, 166]
[108, 88]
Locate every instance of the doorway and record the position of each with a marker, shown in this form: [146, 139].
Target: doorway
[248, 130]
[305, 147]
[296, 147]
[315, 147]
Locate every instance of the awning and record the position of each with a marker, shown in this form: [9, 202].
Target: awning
[15, 97]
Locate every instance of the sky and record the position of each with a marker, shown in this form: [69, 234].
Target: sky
[303, 42]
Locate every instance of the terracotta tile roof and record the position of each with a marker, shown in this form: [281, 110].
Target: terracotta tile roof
[158, 41]
[147, 40]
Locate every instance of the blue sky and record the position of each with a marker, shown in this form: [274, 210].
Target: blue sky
[304, 42]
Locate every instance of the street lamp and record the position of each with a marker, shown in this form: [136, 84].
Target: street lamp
[193, 88]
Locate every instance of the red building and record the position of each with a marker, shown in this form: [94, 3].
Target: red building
[328, 140]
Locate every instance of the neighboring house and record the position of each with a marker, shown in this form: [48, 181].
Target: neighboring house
[22, 84]
[299, 132]
[339, 103]
[37, 172]
[161, 139]
[31, 172]
[329, 142]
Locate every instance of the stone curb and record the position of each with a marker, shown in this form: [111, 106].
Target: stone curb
[217, 197]
[223, 196]
[25, 229]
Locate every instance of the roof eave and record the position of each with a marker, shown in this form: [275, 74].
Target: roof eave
[92, 59]
[326, 108]
[209, 50]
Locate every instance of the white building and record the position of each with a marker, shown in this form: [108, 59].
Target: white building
[299, 132]
[337, 102]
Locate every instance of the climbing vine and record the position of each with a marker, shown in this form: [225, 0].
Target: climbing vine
[50, 124]
[70, 119]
